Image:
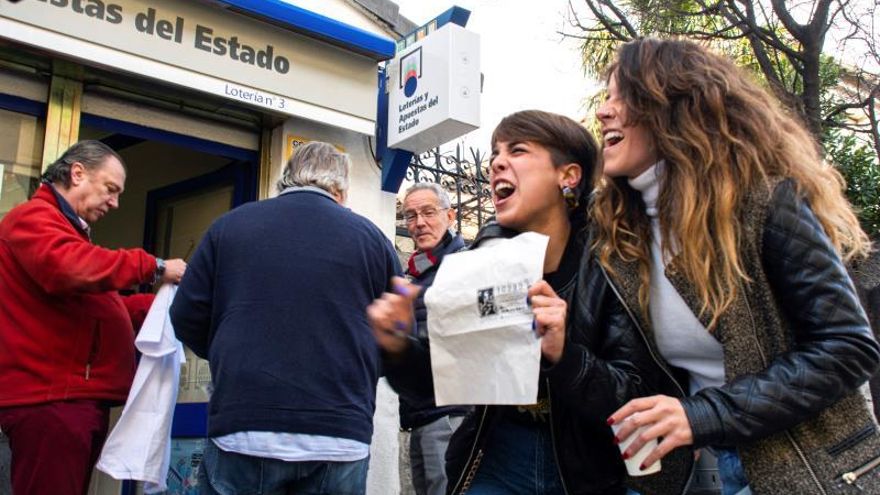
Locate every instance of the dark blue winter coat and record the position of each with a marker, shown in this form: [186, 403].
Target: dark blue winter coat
[275, 298]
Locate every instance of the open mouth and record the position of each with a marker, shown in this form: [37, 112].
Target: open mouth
[503, 189]
[612, 138]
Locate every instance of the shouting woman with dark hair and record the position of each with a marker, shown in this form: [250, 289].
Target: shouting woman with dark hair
[724, 231]
[593, 360]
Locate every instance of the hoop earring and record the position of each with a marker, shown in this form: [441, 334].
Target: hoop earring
[570, 197]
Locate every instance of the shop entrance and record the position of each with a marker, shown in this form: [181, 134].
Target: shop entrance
[176, 186]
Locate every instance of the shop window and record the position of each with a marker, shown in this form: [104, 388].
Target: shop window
[21, 148]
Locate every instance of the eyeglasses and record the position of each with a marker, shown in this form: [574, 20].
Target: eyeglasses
[428, 214]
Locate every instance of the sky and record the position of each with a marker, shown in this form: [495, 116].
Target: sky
[525, 62]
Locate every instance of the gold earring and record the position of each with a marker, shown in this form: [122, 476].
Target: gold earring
[570, 197]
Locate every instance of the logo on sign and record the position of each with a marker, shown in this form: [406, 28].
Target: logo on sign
[411, 71]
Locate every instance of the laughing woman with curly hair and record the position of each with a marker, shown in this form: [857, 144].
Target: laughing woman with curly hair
[726, 232]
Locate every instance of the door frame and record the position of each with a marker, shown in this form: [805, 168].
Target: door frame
[190, 419]
[246, 179]
[239, 174]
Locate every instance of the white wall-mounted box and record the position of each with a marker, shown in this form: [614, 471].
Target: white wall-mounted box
[434, 90]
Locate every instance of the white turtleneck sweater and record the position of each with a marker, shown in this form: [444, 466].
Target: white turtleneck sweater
[681, 339]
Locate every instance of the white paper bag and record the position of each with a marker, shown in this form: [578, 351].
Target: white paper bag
[139, 447]
[483, 347]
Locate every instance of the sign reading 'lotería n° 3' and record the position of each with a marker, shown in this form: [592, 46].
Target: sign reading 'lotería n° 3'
[197, 45]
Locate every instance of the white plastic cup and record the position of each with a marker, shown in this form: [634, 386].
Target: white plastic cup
[634, 463]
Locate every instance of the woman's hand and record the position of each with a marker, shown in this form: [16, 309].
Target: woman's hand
[550, 311]
[662, 416]
[391, 316]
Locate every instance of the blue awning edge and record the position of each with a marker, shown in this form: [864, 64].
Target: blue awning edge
[315, 25]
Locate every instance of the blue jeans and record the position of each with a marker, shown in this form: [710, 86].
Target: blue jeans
[228, 473]
[731, 472]
[518, 460]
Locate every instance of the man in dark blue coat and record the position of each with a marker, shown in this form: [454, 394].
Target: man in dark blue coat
[274, 298]
[429, 217]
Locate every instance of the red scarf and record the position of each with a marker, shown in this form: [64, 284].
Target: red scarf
[420, 261]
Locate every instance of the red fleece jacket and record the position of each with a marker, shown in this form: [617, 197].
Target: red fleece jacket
[65, 333]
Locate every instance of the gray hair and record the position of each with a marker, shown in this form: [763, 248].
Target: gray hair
[430, 186]
[92, 154]
[317, 164]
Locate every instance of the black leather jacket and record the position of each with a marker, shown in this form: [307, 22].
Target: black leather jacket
[836, 351]
[797, 346]
[605, 363]
[417, 407]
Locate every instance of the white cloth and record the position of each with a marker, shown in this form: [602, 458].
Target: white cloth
[483, 346]
[139, 447]
[293, 447]
[681, 339]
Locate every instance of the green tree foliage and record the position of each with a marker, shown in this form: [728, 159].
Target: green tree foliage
[858, 165]
[853, 157]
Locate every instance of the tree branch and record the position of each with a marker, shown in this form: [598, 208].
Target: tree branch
[875, 128]
[819, 23]
[633, 32]
[843, 107]
[787, 20]
[763, 35]
[736, 17]
[606, 22]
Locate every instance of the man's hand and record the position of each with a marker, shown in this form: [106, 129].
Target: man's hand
[174, 270]
[391, 316]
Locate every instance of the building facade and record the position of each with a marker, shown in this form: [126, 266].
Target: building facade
[204, 100]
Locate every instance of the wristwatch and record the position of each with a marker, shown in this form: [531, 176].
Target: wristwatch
[160, 270]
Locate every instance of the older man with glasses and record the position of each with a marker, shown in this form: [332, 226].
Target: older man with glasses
[429, 217]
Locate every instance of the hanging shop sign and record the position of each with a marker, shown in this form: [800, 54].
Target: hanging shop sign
[434, 90]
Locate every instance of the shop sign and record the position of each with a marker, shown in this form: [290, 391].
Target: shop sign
[434, 90]
[252, 61]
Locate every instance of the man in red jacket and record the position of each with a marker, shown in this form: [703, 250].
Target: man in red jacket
[66, 335]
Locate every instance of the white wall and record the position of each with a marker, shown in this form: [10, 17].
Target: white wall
[365, 195]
